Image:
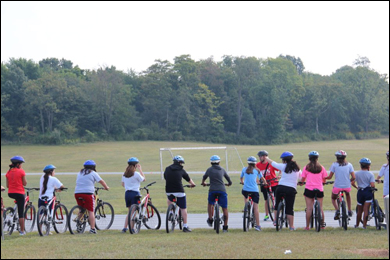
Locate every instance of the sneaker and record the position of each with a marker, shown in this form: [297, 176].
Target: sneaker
[187, 230]
[93, 231]
[257, 228]
[22, 233]
[337, 215]
[350, 213]
[124, 230]
[210, 222]
[292, 229]
[274, 223]
[307, 228]
[266, 218]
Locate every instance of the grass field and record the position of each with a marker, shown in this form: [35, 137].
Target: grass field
[201, 244]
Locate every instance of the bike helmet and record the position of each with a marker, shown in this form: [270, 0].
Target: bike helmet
[286, 155]
[17, 159]
[365, 161]
[252, 160]
[133, 160]
[314, 154]
[90, 163]
[49, 168]
[215, 159]
[387, 153]
[262, 153]
[178, 159]
[340, 153]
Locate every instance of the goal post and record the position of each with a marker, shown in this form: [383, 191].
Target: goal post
[196, 148]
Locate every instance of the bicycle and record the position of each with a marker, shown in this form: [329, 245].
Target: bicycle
[316, 219]
[342, 208]
[144, 214]
[11, 216]
[218, 218]
[2, 211]
[249, 212]
[270, 197]
[174, 217]
[53, 214]
[78, 216]
[281, 217]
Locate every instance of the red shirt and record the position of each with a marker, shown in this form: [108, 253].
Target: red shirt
[270, 172]
[15, 180]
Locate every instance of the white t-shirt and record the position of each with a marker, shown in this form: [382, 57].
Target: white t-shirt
[385, 172]
[52, 184]
[288, 179]
[133, 183]
[86, 183]
[342, 173]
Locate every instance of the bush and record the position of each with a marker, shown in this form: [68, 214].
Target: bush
[368, 135]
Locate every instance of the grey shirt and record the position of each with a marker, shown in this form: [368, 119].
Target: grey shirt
[216, 174]
[364, 179]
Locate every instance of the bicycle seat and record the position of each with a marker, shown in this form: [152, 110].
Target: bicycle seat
[45, 198]
[316, 190]
[172, 197]
[80, 198]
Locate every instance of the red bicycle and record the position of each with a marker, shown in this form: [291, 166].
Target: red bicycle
[270, 197]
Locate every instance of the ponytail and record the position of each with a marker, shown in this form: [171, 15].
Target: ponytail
[250, 168]
[46, 180]
[88, 169]
[292, 166]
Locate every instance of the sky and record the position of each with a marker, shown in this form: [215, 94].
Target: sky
[132, 35]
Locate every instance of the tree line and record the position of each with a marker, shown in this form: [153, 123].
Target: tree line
[240, 100]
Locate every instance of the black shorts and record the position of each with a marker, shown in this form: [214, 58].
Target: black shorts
[311, 194]
[265, 191]
[19, 198]
[255, 196]
[289, 196]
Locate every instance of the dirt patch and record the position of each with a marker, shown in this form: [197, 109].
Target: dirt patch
[379, 253]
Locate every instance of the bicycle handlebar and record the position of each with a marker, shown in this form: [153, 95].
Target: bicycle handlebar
[189, 186]
[208, 185]
[379, 181]
[325, 183]
[30, 189]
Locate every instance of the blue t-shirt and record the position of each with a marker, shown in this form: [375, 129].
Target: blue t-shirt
[250, 180]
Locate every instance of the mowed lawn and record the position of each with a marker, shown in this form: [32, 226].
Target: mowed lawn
[202, 243]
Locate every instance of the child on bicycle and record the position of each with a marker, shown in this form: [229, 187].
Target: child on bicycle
[250, 177]
[269, 173]
[173, 176]
[131, 181]
[15, 182]
[291, 174]
[314, 174]
[85, 188]
[48, 185]
[342, 170]
[385, 172]
[365, 181]
[217, 187]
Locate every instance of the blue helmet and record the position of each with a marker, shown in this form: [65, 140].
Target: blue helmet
[286, 154]
[49, 167]
[365, 161]
[17, 159]
[133, 160]
[215, 159]
[178, 159]
[252, 160]
[90, 163]
[314, 154]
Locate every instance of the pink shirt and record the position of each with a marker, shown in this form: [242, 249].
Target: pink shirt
[314, 181]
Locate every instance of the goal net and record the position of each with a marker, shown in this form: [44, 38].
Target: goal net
[198, 158]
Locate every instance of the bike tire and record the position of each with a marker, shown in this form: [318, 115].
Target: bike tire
[153, 219]
[104, 215]
[170, 221]
[311, 219]
[134, 220]
[270, 206]
[317, 216]
[60, 221]
[253, 219]
[8, 221]
[246, 217]
[77, 221]
[43, 224]
[30, 216]
[180, 220]
[217, 219]
[280, 217]
[344, 217]
[376, 215]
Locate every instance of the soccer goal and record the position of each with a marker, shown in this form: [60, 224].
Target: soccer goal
[199, 149]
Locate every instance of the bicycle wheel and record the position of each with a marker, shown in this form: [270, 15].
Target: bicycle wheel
[8, 221]
[104, 215]
[253, 219]
[377, 215]
[344, 217]
[170, 221]
[246, 217]
[280, 217]
[217, 219]
[43, 223]
[77, 220]
[152, 220]
[134, 220]
[270, 206]
[60, 221]
[317, 216]
[29, 218]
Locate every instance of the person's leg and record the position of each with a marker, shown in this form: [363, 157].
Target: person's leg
[127, 218]
[349, 202]
[92, 220]
[184, 215]
[334, 201]
[210, 210]
[359, 215]
[309, 210]
[257, 214]
[226, 216]
[366, 208]
[321, 201]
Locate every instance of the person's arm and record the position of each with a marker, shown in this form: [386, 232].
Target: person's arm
[353, 183]
[372, 184]
[205, 176]
[123, 184]
[330, 176]
[380, 175]
[140, 171]
[104, 184]
[24, 181]
[6, 183]
[302, 181]
[192, 183]
[353, 177]
[227, 177]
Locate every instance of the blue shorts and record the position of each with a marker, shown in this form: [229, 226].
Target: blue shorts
[181, 202]
[255, 196]
[222, 201]
[364, 196]
[131, 198]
